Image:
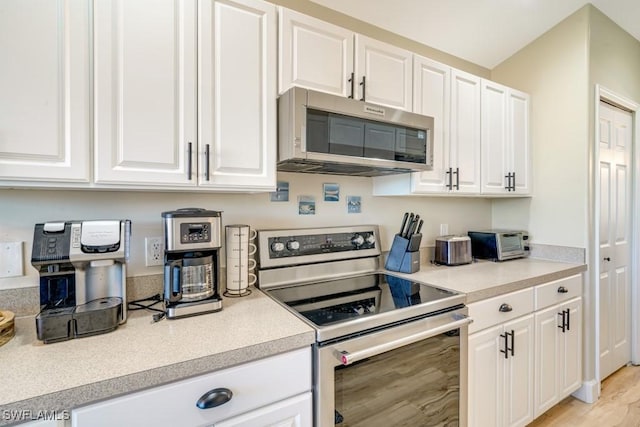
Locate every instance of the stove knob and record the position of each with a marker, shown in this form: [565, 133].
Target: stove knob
[277, 246]
[371, 239]
[357, 240]
[293, 245]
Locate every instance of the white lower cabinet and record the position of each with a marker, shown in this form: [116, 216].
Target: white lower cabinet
[275, 391]
[558, 347]
[501, 374]
[293, 412]
[525, 353]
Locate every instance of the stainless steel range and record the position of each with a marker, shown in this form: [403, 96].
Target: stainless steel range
[389, 351]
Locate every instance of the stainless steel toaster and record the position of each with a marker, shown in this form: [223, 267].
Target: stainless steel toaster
[453, 250]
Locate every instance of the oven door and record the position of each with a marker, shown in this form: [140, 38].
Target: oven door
[412, 374]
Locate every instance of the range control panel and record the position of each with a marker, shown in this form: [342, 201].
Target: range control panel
[316, 244]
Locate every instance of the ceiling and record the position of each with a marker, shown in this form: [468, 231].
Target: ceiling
[485, 32]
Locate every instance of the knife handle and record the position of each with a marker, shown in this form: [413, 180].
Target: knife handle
[404, 222]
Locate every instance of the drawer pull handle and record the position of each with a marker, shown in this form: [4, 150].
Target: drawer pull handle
[505, 308]
[215, 397]
[562, 290]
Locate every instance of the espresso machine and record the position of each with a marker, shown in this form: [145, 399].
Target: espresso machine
[191, 262]
[82, 266]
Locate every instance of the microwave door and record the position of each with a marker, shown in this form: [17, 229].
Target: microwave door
[380, 141]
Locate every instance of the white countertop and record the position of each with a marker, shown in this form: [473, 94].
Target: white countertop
[142, 354]
[485, 279]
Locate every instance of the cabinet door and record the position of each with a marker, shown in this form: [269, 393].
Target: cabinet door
[465, 131]
[386, 71]
[495, 145]
[571, 345]
[254, 385]
[518, 392]
[518, 134]
[293, 412]
[548, 361]
[237, 103]
[145, 93]
[44, 81]
[314, 54]
[486, 378]
[432, 97]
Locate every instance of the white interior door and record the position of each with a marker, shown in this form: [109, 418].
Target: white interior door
[615, 172]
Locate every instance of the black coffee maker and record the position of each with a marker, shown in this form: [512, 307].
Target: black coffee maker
[191, 262]
[82, 267]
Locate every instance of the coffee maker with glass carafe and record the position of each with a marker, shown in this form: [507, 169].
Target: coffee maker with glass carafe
[191, 262]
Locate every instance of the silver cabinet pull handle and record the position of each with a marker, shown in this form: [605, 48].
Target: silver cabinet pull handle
[206, 162]
[347, 358]
[352, 80]
[189, 161]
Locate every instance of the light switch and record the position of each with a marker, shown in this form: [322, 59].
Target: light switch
[11, 259]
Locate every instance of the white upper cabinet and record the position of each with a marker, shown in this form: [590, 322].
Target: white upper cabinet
[45, 122]
[186, 94]
[506, 163]
[432, 97]
[314, 54]
[465, 132]
[383, 73]
[321, 56]
[145, 92]
[452, 98]
[237, 86]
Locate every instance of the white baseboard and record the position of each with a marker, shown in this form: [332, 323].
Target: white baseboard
[589, 392]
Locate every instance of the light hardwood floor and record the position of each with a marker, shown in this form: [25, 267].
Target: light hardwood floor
[618, 406]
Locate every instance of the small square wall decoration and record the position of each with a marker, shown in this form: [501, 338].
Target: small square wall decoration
[306, 205]
[282, 192]
[331, 192]
[354, 204]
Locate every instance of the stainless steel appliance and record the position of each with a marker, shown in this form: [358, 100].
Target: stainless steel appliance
[322, 133]
[82, 266]
[499, 245]
[191, 262]
[453, 250]
[388, 351]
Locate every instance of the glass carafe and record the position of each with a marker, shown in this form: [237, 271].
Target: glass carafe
[197, 278]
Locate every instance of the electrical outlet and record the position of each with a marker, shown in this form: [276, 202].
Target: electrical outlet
[11, 259]
[444, 229]
[154, 251]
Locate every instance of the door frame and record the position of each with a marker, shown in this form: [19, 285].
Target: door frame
[606, 95]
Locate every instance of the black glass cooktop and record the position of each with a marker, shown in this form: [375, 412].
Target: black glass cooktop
[340, 301]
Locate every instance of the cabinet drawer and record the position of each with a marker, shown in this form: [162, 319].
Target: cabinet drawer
[253, 385]
[487, 313]
[549, 294]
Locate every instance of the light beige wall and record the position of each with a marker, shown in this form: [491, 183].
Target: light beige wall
[21, 209]
[614, 57]
[329, 15]
[554, 71]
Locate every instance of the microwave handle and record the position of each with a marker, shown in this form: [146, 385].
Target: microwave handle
[347, 358]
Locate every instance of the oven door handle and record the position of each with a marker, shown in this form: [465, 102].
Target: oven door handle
[347, 358]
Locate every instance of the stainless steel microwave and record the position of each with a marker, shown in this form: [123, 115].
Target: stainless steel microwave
[323, 133]
[499, 245]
